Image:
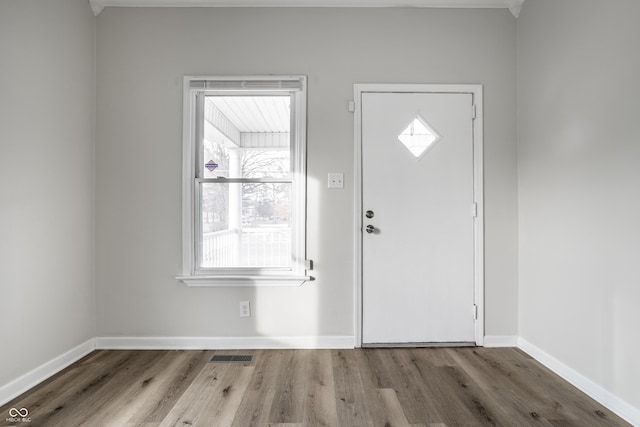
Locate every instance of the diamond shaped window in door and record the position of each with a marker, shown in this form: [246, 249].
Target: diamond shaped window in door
[418, 137]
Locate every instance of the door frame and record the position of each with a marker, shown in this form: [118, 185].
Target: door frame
[478, 193]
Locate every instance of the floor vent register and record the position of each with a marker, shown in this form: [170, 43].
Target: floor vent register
[232, 358]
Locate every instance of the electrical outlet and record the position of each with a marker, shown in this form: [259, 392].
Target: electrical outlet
[245, 309]
[336, 180]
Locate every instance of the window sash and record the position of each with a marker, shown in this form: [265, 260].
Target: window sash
[222, 180]
[237, 244]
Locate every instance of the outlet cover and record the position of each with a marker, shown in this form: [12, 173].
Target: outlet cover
[245, 309]
[336, 180]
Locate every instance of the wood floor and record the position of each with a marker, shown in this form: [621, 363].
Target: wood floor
[288, 388]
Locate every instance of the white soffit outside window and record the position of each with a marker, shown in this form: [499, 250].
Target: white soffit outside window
[514, 6]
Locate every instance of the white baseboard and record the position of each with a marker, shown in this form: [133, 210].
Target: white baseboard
[623, 409]
[500, 341]
[223, 343]
[15, 388]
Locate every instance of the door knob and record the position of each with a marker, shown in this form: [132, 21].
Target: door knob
[370, 229]
[369, 214]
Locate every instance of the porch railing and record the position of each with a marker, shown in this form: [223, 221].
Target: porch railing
[247, 247]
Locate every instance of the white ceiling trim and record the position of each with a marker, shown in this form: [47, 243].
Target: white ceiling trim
[514, 6]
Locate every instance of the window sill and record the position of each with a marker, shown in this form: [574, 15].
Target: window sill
[288, 280]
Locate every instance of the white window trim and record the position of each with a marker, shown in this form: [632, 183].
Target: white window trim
[191, 275]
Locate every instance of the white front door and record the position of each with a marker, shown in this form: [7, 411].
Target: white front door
[418, 213]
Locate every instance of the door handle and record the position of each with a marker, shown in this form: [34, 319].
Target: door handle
[370, 229]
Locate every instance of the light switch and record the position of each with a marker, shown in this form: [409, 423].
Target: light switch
[336, 180]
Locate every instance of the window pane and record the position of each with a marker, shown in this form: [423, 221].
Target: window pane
[246, 137]
[418, 137]
[245, 225]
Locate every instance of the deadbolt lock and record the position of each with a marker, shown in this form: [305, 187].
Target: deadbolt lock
[369, 214]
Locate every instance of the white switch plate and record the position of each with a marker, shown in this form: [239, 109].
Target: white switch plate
[245, 309]
[336, 180]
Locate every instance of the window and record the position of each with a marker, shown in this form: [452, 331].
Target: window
[244, 181]
[418, 137]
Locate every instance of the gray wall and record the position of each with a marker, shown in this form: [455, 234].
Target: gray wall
[579, 198]
[47, 70]
[143, 55]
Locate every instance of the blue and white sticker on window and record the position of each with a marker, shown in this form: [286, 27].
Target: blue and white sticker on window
[211, 165]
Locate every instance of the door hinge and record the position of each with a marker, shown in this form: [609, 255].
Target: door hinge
[475, 312]
[308, 264]
[352, 106]
[473, 111]
[474, 210]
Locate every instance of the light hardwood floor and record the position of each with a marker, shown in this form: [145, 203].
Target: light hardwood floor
[288, 388]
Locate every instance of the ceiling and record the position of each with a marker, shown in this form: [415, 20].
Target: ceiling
[513, 5]
[254, 113]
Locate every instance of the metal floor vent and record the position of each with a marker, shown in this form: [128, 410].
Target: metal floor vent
[232, 358]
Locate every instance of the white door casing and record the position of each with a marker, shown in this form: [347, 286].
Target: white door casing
[421, 275]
